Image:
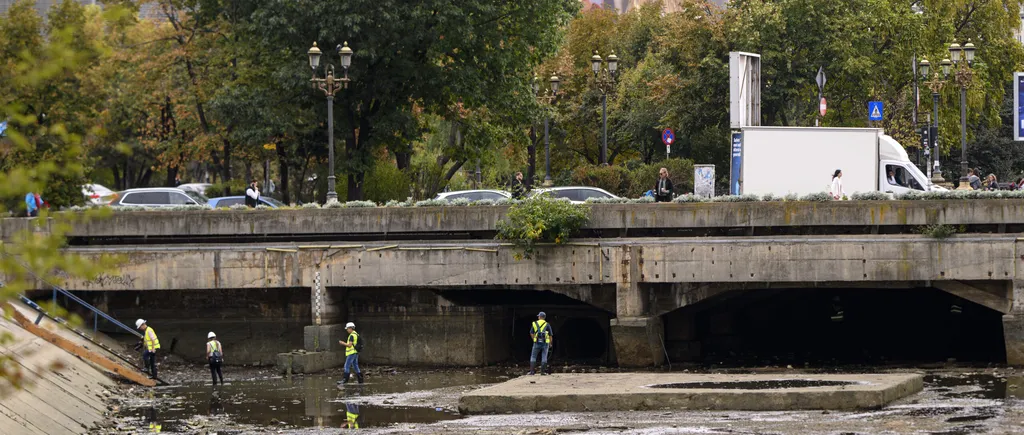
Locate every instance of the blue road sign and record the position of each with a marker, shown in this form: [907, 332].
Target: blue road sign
[3, 128]
[875, 110]
[668, 137]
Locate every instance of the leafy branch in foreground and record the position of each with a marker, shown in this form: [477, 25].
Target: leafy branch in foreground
[541, 220]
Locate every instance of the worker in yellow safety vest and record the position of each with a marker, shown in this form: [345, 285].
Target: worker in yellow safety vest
[352, 349]
[150, 344]
[540, 332]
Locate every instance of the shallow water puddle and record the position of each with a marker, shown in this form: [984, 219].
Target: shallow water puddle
[307, 401]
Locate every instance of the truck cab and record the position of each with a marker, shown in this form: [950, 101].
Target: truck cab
[897, 175]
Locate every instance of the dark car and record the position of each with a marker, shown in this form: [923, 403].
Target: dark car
[228, 201]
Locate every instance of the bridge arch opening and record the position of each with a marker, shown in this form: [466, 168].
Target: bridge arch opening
[835, 327]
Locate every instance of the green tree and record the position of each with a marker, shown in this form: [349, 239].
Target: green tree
[40, 152]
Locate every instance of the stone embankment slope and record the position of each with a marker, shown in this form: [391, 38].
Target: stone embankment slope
[66, 394]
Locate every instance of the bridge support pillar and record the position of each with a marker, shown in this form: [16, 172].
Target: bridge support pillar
[1013, 326]
[638, 341]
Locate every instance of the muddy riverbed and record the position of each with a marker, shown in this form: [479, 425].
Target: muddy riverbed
[406, 401]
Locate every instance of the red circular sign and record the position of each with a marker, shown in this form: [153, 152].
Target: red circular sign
[823, 107]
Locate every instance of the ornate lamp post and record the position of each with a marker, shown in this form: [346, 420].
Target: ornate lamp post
[330, 86]
[935, 84]
[606, 83]
[547, 99]
[963, 58]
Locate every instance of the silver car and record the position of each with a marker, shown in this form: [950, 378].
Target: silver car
[158, 197]
[474, 195]
[575, 194]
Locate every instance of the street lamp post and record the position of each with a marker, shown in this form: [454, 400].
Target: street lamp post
[963, 58]
[547, 99]
[935, 84]
[606, 83]
[330, 86]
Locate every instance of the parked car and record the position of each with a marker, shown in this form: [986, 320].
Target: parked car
[575, 194]
[94, 193]
[474, 195]
[158, 197]
[199, 188]
[228, 201]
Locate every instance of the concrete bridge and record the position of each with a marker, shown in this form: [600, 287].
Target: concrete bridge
[655, 297]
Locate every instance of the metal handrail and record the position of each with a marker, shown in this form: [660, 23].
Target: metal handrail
[57, 289]
[96, 311]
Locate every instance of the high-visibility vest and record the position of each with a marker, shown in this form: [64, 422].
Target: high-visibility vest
[152, 343]
[541, 326]
[214, 347]
[353, 339]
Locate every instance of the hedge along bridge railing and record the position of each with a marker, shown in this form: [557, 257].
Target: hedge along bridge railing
[751, 217]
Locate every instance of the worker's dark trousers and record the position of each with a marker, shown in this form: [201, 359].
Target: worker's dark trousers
[149, 361]
[215, 372]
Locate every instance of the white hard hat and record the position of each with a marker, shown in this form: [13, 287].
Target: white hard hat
[211, 335]
[139, 323]
[350, 325]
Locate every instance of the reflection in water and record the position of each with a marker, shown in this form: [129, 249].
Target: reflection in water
[307, 401]
[351, 416]
[215, 406]
[154, 423]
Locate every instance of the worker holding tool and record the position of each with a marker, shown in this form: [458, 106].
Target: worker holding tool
[150, 345]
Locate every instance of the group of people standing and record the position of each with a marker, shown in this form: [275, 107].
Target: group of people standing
[151, 344]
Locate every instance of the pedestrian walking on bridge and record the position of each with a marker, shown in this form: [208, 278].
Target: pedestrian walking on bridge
[150, 344]
[215, 355]
[540, 332]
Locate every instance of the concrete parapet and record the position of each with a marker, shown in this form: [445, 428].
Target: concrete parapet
[638, 341]
[622, 392]
[622, 218]
[300, 361]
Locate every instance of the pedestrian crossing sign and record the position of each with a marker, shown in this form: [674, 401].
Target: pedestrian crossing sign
[875, 110]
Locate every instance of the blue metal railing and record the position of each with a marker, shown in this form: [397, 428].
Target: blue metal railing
[97, 313]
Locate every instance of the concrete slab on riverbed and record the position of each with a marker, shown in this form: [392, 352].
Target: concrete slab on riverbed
[650, 391]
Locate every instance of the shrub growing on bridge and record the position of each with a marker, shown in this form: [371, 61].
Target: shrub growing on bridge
[541, 220]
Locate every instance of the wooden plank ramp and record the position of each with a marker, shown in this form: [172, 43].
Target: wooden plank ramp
[129, 373]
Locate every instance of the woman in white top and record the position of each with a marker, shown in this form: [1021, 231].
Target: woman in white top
[837, 185]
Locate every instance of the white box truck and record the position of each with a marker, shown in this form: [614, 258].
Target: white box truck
[801, 160]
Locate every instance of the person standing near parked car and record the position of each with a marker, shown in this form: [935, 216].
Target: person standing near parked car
[252, 194]
[215, 356]
[663, 188]
[518, 188]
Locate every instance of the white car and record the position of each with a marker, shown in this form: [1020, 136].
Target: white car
[158, 197]
[575, 194]
[94, 193]
[474, 195]
[199, 188]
